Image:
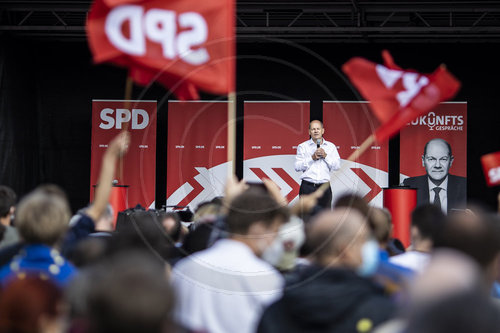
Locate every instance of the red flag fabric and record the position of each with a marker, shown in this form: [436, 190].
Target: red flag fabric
[491, 168]
[398, 96]
[185, 45]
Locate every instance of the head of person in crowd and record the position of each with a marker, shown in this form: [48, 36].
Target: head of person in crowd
[32, 305]
[197, 239]
[207, 211]
[382, 226]
[254, 219]
[437, 159]
[129, 292]
[7, 204]
[476, 235]
[426, 225]
[342, 238]
[42, 217]
[171, 222]
[141, 229]
[458, 313]
[354, 201]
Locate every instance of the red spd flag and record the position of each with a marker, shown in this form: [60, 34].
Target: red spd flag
[398, 96]
[185, 45]
[491, 168]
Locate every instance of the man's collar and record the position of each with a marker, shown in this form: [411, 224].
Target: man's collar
[311, 141]
[443, 185]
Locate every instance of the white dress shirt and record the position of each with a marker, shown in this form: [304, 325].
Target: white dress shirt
[224, 288]
[316, 171]
[442, 194]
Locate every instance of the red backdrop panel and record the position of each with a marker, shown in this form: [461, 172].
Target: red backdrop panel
[347, 125]
[448, 121]
[139, 165]
[272, 132]
[196, 151]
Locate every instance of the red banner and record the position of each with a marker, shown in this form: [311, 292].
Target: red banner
[272, 132]
[139, 165]
[196, 152]
[348, 124]
[447, 123]
[491, 168]
[183, 44]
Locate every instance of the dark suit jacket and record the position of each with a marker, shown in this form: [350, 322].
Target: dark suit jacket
[456, 192]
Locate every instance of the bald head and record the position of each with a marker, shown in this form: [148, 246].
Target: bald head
[336, 237]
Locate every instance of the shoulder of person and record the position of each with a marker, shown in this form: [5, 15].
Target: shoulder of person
[457, 179]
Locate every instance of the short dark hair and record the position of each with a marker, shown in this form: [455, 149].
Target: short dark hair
[429, 221]
[129, 293]
[253, 206]
[7, 200]
[444, 141]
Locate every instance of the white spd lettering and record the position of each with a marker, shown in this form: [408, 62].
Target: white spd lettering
[411, 82]
[159, 26]
[494, 175]
[110, 119]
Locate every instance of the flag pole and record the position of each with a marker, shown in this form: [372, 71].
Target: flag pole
[128, 96]
[231, 133]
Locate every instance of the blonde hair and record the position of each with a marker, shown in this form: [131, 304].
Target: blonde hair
[42, 217]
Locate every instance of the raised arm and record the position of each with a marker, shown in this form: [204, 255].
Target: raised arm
[116, 148]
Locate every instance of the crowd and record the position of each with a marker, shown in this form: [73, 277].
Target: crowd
[245, 262]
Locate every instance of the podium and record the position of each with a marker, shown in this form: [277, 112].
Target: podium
[401, 201]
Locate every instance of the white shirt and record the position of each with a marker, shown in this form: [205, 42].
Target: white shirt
[414, 260]
[224, 288]
[316, 171]
[442, 194]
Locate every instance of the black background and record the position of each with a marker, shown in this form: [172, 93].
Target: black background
[46, 89]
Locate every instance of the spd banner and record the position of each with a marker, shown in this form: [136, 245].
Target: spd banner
[272, 132]
[347, 125]
[139, 164]
[196, 152]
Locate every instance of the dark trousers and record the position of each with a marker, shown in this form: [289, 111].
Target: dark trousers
[324, 201]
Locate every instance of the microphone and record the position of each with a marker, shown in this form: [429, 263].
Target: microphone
[318, 143]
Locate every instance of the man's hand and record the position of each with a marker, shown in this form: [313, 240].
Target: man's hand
[275, 191]
[319, 153]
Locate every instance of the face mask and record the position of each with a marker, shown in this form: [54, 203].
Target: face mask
[369, 257]
[274, 252]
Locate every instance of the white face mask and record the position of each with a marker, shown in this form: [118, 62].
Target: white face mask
[274, 252]
[370, 258]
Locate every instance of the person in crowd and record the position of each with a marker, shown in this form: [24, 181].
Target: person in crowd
[226, 287]
[426, 225]
[126, 292]
[438, 186]
[8, 233]
[84, 223]
[476, 235]
[42, 219]
[334, 293]
[32, 305]
[394, 278]
[316, 158]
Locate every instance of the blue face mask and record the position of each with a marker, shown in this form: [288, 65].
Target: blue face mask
[370, 258]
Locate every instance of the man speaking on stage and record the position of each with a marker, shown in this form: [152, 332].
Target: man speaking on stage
[438, 186]
[316, 158]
